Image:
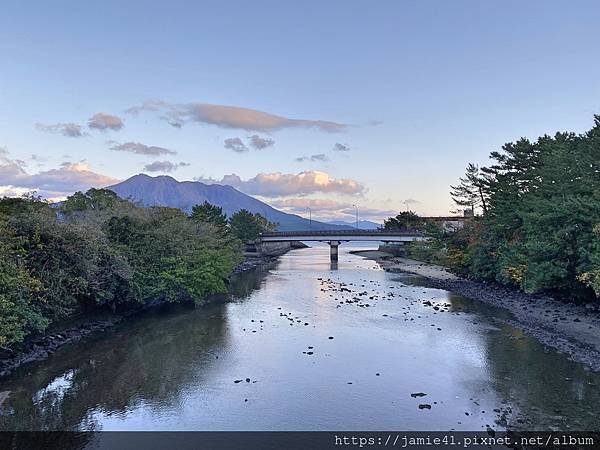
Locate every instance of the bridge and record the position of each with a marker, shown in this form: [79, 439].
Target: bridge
[335, 238]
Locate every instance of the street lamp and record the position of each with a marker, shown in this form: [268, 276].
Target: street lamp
[356, 216]
[309, 217]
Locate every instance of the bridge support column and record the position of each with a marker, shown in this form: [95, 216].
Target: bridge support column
[333, 250]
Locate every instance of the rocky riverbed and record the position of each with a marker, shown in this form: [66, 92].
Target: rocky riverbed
[571, 329]
[309, 345]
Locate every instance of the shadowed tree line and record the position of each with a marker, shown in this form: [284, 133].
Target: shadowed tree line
[539, 222]
[97, 251]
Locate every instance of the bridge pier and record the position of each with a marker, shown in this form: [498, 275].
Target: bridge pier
[333, 250]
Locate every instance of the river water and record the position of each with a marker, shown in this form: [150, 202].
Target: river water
[304, 345]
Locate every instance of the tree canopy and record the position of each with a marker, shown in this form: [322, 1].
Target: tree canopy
[405, 220]
[96, 250]
[247, 226]
[540, 227]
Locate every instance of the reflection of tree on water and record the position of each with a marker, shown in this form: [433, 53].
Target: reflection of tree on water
[243, 284]
[544, 389]
[150, 360]
[547, 389]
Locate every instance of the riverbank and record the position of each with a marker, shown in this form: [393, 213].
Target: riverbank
[40, 347]
[571, 329]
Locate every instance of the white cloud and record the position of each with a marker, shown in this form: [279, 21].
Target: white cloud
[331, 209]
[255, 141]
[341, 147]
[318, 157]
[230, 117]
[102, 121]
[260, 143]
[66, 129]
[285, 184]
[164, 166]
[235, 144]
[140, 149]
[68, 178]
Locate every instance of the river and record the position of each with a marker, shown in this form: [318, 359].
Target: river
[303, 345]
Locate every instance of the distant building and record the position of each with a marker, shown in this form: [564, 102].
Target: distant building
[451, 223]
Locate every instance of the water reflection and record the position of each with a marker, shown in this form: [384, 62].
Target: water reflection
[266, 360]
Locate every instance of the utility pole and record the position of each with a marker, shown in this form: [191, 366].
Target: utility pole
[356, 216]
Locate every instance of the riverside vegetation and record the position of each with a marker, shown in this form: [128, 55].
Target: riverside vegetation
[539, 227]
[95, 251]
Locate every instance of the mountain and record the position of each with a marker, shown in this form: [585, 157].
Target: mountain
[166, 191]
[362, 224]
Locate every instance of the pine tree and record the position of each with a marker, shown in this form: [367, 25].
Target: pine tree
[471, 190]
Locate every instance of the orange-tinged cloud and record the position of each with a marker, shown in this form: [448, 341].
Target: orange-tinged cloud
[279, 184]
[231, 117]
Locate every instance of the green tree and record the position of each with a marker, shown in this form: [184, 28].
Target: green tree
[247, 226]
[98, 251]
[471, 189]
[209, 213]
[405, 220]
[542, 209]
[93, 199]
[20, 312]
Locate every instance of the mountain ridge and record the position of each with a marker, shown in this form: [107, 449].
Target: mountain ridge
[164, 190]
[362, 224]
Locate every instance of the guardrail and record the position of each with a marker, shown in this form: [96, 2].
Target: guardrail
[341, 233]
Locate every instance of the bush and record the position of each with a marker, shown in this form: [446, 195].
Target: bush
[98, 251]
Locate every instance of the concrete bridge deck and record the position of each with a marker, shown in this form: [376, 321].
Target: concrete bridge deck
[334, 238]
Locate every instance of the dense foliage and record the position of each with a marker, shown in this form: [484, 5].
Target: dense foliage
[405, 220]
[247, 226]
[540, 224]
[98, 251]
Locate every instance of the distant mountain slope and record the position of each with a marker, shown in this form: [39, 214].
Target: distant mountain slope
[362, 224]
[166, 191]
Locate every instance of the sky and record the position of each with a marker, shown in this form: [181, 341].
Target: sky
[320, 104]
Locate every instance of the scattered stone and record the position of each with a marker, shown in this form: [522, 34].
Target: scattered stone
[418, 394]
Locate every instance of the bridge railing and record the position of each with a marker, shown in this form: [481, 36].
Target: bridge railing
[341, 233]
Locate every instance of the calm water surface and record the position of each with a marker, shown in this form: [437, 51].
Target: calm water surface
[177, 369]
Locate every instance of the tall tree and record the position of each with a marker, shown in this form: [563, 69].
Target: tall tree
[471, 189]
[405, 220]
[209, 213]
[247, 226]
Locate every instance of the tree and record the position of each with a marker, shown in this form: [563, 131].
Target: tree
[93, 199]
[20, 313]
[247, 226]
[209, 213]
[96, 251]
[405, 220]
[471, 189]
[540, 230]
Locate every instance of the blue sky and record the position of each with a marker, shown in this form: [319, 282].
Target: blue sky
[413, 90]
